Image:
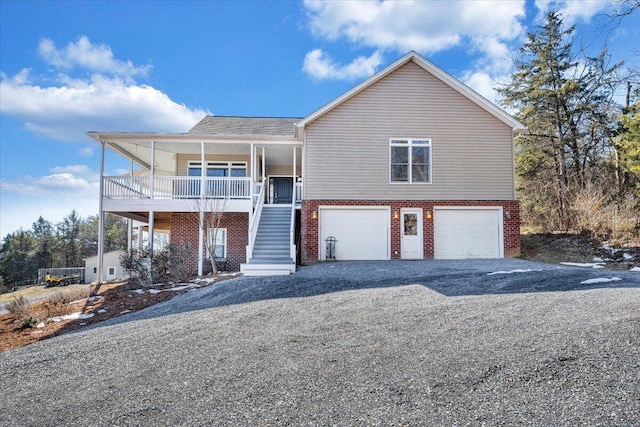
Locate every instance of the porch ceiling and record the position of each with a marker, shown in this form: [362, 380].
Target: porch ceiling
[277, 152]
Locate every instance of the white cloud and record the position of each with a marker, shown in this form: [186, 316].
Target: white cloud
[66, 112]
[482, 83]
[320, 66]
[86, 152]
[62, 181]
[573, 10]
[92, 57]
[426, 27]
[107, 100]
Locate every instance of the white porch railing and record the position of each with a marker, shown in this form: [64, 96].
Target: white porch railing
[292, 241]
[176, 187]
[254, 221]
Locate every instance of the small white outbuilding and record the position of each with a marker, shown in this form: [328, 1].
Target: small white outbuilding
[111, 268]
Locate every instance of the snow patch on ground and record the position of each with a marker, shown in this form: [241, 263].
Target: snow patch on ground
[72, 316]
[513, 271]
[610, 249]
[173, 289]
[600, 280]
[635, 269]
[584, 264]
[213, 279]
[627, 256]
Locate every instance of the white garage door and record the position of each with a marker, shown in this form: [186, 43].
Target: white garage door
[362, 234]
[467, 233]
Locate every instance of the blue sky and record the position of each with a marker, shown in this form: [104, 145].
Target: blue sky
[67, 67]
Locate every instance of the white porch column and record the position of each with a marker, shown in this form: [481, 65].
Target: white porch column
[263, 167]
[294, 168]
[203, 170]
[201, 205]
[150, 227]
[140, 237]
[101, 217]
[253, 172]
[151, 221]
[129, 220]
[153, 167]
[200, 243]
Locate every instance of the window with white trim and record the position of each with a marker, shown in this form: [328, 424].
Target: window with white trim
[219, 235]
[410, 160]
[219, 169]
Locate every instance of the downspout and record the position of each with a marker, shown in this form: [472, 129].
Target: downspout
[101, 216]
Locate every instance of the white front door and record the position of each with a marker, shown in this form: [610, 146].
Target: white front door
[411, 234]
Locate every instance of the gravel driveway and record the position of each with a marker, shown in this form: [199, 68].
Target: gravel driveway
[361, 343]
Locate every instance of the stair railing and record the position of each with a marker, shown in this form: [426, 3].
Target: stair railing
[292, 242]
[254, 222]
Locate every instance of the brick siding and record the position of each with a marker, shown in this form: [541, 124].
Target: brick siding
[309, 225]
[184, 228]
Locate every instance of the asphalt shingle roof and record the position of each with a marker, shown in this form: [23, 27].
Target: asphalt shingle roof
[266, 126]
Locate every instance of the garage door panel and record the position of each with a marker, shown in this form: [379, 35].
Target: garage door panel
[362, 234]
[467, 233]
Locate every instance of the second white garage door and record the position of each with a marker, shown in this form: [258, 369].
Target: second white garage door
[362, 234]
[467, 233]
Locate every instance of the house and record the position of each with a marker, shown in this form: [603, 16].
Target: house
[111, 268]
[409, 164]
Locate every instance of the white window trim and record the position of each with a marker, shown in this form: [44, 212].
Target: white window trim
[409, 145]
[226, 240]
[231, 164]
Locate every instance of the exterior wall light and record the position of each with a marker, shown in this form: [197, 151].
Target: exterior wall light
[507, 214]
[428, 215]
[314, 215]
[395, 215]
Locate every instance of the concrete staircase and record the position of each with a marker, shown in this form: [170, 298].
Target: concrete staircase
[272, 248]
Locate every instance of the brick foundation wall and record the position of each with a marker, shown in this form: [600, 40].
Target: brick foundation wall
[309, 225]
[185, 229]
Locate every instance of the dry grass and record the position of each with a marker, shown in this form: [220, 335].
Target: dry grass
[60, 303]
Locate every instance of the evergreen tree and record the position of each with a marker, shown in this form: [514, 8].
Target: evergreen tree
[567, 105]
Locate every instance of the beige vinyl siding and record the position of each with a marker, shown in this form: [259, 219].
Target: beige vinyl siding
[183, 160]
[347, 149]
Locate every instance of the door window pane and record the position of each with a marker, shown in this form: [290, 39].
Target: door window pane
[410, 224]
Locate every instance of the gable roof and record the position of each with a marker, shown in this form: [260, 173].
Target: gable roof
[245, 126]
[429, 67]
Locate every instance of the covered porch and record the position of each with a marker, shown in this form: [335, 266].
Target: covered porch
[181, 173]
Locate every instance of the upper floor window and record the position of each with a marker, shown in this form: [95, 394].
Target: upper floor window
[410, 160]
[219, 169]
